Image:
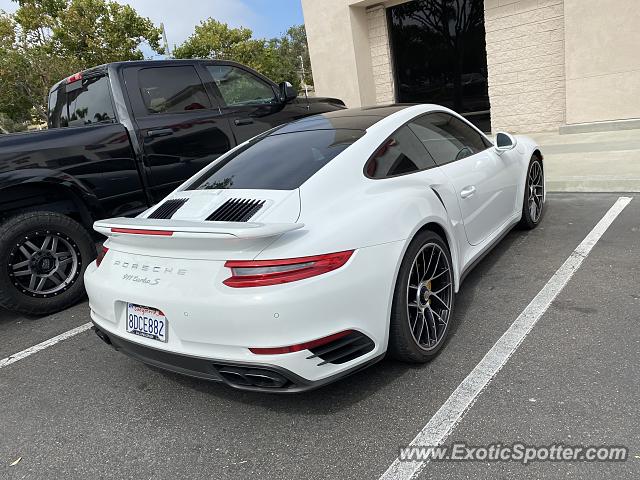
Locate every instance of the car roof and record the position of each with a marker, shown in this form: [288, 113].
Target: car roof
[359, 118]
[168, 62]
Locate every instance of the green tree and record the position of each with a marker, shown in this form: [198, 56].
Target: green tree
[47, 40]
[294, 46]
[213, 39]
[277, 58]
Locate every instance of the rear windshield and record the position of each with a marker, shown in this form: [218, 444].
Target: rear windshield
[83, 102]
[278, 161]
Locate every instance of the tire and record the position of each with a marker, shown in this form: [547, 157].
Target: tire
[534, 187]
[404, 338]
[43, 256]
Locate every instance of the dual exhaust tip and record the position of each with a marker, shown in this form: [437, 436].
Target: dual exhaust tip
[252, 377]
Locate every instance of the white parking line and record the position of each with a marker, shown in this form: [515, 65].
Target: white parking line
[445, 419]
[41, 346]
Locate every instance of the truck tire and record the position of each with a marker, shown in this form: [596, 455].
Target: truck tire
[43, 256]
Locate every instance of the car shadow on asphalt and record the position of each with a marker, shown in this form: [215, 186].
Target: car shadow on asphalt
[7, 316]
[365, 383]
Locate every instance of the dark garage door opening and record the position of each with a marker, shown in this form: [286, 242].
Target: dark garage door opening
[439, 55]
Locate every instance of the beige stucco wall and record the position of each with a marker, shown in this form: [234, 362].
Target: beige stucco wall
[349, 50]
[338, 37]
[602, 60]
[525, 61]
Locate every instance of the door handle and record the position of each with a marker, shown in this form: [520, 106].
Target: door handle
[243, 121]
[467, 192]
[161, 132]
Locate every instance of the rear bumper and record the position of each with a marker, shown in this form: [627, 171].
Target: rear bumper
[207, 319]
[240, 375]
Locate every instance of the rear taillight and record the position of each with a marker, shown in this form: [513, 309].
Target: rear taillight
[74, 78]
[260, 273]
[101, 255]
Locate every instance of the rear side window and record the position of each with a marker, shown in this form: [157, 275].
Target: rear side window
[447, 138]
[83, 102]
[239, 87]
[172, 89]
[400, 154]
[278, 161]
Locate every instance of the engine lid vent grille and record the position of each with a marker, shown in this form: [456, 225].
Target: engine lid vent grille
[168, 208]
[236, 210]
[343, 349]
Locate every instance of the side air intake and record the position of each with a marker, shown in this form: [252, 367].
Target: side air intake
[168, 208]
[236, 210]
[344, 349]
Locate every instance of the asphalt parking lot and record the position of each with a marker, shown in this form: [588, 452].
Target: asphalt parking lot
[78, 409]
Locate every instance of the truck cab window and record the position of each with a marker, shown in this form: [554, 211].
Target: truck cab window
[172, 90]
[239, 87]
[80, 103]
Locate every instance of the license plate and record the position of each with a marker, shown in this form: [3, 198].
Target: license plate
[147, 322]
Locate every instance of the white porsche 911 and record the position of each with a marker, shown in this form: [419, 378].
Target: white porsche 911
[310, 251]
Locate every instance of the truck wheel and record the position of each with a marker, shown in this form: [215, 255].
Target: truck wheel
[43, 256]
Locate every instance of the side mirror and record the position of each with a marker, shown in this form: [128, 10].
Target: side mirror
[504, 142]
[287, 92]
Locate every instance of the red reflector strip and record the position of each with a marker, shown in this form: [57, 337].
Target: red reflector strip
[301, 346]
[136, 231]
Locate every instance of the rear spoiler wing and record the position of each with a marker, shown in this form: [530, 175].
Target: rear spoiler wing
[150, 227]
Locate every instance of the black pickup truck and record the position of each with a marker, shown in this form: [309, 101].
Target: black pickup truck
[121, 136]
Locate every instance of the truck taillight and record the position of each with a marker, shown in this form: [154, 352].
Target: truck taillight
[260, 273]
[74, 78]
[101, 255]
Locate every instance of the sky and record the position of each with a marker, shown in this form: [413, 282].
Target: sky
[267, 18]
